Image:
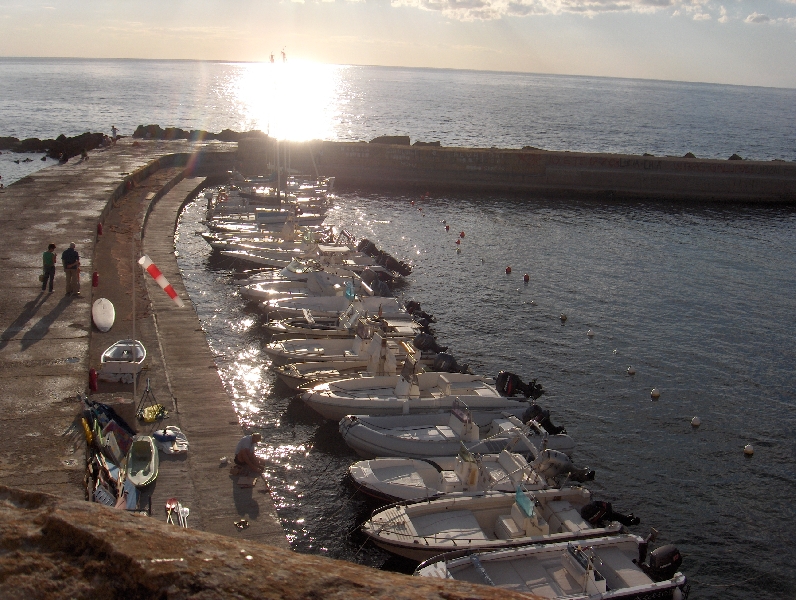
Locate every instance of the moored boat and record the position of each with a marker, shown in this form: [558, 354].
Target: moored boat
[604, 568]
[443, 433]
[486, 521]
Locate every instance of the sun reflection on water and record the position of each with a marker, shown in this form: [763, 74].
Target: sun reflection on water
[297, 100]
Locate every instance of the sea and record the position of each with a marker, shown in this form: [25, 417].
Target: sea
[698, 298]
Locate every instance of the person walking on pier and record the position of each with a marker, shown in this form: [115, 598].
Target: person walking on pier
[71, 261]
[48, 266]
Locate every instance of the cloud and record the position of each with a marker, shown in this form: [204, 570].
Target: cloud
[757, 18]
[472, 10]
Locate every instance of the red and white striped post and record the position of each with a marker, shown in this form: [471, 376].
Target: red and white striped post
[150, 268]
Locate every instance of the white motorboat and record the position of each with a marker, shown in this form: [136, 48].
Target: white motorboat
[122, 361]
[315, 283]
[354, 348]
[394, 479]
[442, 433]
[332, 306]
[343, 326]
[409, 392]
[422, 529]
[603, 568]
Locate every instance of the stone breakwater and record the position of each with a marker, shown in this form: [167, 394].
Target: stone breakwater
[529, 171]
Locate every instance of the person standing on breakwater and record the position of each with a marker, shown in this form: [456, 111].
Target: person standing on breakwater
[48, 266]
[71, 261]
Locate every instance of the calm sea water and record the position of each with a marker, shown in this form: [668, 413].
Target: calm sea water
[699, 299]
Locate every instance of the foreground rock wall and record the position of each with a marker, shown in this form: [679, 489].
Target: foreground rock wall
[71, 549]
[604, 176]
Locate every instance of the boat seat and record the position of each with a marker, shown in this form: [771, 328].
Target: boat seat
[512, 465]
[447, 432]
[506, 528]
[565, 517]
[449, 481]
[495, 472]
[534, 524]
[618, 569]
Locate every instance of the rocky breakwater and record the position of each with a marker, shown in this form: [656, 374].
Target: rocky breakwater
[60, 147]
[70, 549]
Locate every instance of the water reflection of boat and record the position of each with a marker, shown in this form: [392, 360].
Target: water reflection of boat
[122, 360]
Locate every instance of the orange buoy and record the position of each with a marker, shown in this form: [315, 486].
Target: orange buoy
[525, 278]
[508, 270]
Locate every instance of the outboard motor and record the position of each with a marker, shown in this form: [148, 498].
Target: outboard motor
[366, 246]
[368, 276]
[508, 384]
[552, 463]
[380, 288]
[404, 269]
[596, 512]
[445, 363]
[412, 306]
[542, 416]
[426, 343]
[664, 563]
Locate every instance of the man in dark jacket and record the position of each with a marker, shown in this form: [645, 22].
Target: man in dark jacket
[71, 261]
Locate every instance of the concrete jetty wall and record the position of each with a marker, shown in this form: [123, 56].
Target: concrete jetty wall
[539, 172]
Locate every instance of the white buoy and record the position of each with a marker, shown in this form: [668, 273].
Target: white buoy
[748, 450]
[590, 333]
[631, 371]
[696, 422]
[655, 393]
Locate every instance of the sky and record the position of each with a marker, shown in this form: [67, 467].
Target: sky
[745, 42]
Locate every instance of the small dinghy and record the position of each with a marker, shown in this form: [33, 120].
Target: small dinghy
[122, 361]
[142, 461]
[600, 569]
[422, 529]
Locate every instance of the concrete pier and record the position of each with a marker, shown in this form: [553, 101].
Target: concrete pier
[48, 342]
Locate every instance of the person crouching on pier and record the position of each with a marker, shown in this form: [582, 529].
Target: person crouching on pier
[71, 261]
[48, 267]
[244, 453]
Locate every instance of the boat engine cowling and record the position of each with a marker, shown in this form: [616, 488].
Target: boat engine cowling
[426, 343]
[508, 384]
[664, 562]
[445, 363]
[542, 416]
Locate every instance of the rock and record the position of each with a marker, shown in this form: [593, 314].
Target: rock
[397, 140]
[73, 549]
